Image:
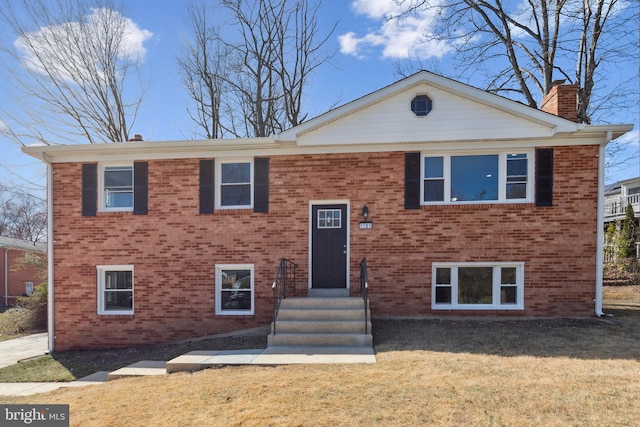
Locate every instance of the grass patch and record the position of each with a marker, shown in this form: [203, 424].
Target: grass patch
[429, 372]
[41, 369]
[72, 365]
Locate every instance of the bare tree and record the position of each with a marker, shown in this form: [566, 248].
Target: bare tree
[535, 43]
[247, 71]
[75, 65]
[22, 215]
[202, 64]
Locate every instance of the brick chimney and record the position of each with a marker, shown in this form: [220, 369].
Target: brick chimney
[562, 101]
[136, 138]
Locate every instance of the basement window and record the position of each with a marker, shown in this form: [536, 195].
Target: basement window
[234, 289]
[478, 286]
[115, 289]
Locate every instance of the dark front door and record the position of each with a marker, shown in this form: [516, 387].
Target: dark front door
[329, 246]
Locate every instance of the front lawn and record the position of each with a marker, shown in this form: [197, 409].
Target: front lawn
[429, 372]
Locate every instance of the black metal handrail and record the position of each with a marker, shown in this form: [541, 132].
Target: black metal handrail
[284, 282]
[364, 290]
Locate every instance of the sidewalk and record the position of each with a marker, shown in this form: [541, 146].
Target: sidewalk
[27, 389]
[35, 345]
[11, 351]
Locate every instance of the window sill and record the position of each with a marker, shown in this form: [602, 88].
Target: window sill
[478, 307]
[235, 313]
[112, 211]
[232, 211]
[116, 314]
[482, 202]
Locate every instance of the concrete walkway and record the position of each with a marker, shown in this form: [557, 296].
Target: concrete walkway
[27, 389]
[36, 345]
[12, 351]
[280, 355]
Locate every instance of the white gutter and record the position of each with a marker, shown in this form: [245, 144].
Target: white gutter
[50, 304]
[600, 231]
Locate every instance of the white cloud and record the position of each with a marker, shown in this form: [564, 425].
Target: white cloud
[132, 45]
[400, 37]
[50, 47]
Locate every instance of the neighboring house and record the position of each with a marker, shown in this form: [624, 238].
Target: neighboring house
[617, 197]
[478, 206]
[17, 278]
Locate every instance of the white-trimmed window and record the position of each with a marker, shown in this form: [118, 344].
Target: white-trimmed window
[477, 177]
[234, 289]
[115, 187]
[234, 182]
[478, 286]
[115, 289]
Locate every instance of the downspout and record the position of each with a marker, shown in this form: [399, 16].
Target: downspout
[600, 228]
[6, 277]
[50, 299]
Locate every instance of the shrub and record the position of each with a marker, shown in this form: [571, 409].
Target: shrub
[29, 314]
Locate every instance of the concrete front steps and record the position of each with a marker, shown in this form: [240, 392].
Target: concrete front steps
[321, 321]
[327, 327]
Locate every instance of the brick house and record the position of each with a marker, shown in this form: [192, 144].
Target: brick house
[477, 205]
[17, 278]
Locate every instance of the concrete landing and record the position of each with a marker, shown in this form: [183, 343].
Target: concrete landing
[139, 369]
[281, 355]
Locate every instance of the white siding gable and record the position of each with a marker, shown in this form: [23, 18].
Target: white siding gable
[453, 118]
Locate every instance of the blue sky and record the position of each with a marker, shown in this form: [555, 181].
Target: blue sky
[366, 47]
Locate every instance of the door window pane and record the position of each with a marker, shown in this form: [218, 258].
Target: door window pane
[329, 218]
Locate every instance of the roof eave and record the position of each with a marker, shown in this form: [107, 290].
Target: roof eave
[150, 149]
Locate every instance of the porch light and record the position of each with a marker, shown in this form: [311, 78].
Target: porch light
[365, 212]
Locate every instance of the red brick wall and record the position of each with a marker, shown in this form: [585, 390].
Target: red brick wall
[17, 274]
[174, 249]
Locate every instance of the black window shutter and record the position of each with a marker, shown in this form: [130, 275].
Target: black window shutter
[544, 177]
[412, 181]
[261, 185]
[140, 188]
[207, 186]
[89, 189]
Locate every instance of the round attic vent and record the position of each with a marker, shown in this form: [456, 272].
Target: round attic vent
[421, 105]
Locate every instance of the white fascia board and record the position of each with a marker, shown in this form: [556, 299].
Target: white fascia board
[589, 135]
[147, 149]
[613, 131]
